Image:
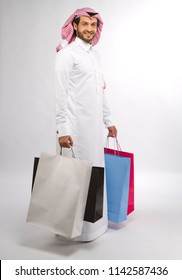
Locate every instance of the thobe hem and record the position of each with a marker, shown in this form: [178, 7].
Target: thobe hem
[85, 237]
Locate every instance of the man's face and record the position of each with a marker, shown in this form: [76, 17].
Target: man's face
[86, 29]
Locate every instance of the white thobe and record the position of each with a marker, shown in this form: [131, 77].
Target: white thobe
[81, 110]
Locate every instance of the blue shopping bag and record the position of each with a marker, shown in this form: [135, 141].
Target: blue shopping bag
[117, 185]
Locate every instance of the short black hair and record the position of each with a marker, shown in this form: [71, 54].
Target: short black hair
[77, 20]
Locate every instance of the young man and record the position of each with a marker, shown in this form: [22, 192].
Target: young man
[81, 106]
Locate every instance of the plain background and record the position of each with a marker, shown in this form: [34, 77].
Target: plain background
[141, 53]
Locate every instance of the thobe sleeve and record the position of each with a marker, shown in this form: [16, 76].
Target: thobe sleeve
[106, 112]
[63, 68]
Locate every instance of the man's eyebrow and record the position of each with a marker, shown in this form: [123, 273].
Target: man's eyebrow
[84, 21]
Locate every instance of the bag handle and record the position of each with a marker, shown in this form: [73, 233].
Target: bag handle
[73, 154]
[117, 146]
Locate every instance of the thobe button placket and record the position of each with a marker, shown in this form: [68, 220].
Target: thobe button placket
[96, 72]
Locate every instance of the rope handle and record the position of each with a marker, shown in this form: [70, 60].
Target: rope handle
[73, 154]
[117, 146]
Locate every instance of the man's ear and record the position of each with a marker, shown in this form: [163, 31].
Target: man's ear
[74, 25]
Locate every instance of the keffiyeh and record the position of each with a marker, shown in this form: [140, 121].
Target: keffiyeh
[67, 31]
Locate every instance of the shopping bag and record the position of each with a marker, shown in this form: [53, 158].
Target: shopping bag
[119, 152]
[35, 165]
[59, 194]
[94, 204]
[117, 184]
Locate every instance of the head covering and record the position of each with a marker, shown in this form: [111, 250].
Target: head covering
[67, 31]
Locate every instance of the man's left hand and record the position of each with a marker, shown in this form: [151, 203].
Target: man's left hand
[112, 131]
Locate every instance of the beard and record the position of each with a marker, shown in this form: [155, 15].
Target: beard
[86, 37]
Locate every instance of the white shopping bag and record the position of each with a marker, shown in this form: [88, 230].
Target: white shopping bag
[59, 194]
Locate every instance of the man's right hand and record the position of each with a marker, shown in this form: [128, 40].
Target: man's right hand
[65, 141]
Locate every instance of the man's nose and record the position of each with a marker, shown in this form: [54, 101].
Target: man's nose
[89, 28]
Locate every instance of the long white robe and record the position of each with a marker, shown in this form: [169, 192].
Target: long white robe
[81, 110]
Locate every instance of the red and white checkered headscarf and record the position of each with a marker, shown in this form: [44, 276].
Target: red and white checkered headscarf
[67, 31]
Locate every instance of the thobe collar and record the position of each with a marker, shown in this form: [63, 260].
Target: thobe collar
[86, 46]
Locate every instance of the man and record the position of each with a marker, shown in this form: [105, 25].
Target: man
[81, 106]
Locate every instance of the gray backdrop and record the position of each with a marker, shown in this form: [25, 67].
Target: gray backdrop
[141, 52]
